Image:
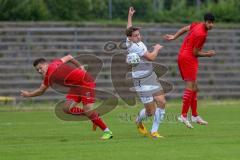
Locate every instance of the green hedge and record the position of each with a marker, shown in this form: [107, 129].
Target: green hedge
[91, 10]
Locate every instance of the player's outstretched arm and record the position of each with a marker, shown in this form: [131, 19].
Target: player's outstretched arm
[36, 92]
[131, 12]
[199, 53]
[180, 32]
[70, 58]
[153, 55]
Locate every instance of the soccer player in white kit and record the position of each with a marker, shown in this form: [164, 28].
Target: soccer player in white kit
[144, 78]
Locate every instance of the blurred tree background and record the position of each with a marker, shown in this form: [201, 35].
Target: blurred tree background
[91, 10]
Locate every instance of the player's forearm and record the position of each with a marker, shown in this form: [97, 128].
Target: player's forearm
[181, 31]
[35, 93]
[75, 62]
[152, 55]
[199, 53]
[202, 54]
[129, 24]
[70, 58]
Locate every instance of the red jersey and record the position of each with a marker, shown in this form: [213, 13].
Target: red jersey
[194, 39]
[66, 75]
[187, 61]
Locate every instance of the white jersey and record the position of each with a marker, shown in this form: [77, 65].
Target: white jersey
[144, 68]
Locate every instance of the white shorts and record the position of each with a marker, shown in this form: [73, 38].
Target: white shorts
[146, 87]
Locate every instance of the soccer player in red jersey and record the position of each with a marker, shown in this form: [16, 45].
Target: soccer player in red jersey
[81, 88]
[189, 52]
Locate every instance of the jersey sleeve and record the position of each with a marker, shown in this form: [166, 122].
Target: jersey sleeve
[128, 43]
[144, 50]
[46, 81]
[194, 24]
[139, 49]
[57, 61]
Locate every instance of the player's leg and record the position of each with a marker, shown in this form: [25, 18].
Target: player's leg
[70, 107]
[88, 99]
[194, 100]
[146, 87]
[188, 72]
[147, 111]
[195, 117]
[159, 113]
[94, 116]
[187, 97]
[186, 102]
[87, 96]
[97, 120]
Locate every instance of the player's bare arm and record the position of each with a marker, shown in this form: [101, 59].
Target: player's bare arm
[131, 12]
[36, 92]
[180, 32]
[151, 56]
[199, 53]
[70, 58]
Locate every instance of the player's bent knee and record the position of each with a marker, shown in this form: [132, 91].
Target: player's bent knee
[67, 106]
[66, 109]
[149, 114]
[161, 101]
[150, 111]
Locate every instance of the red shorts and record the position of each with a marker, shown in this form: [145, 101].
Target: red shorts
[188, 68]
[84, 94]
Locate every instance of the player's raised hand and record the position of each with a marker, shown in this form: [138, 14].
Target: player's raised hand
[24, 93]
[157, 47]
[131, 11]
[169, 37]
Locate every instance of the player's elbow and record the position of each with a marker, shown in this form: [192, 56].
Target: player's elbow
[186, 28]
[69, 57]
[150, 57]
[196, 52]
[40, 93]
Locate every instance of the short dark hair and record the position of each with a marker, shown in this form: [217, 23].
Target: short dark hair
[209, 17]
[130, 30]
[38, 61]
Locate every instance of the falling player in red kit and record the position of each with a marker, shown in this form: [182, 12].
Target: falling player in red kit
[189, 52]
[81, 88]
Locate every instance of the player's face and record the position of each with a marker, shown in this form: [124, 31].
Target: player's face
[209, 25]
[42, 68]
[136, 36]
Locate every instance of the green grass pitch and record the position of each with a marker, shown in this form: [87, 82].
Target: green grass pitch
[34, 133]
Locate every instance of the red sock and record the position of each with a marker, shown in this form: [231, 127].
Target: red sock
[94, 117]
[194, 104]
[76, 111]
[186, 101]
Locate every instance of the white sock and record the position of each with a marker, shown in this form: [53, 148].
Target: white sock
[141, 116]
[156, 121]
[106, 130]
[162, 113]
[158, 117]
